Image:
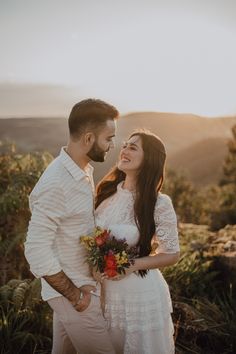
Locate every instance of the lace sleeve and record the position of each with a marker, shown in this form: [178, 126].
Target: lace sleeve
[166, 226]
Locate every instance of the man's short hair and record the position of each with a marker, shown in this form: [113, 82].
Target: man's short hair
[90, 115]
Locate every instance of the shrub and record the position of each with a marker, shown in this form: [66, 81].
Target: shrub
[19, 173]
[25, 320]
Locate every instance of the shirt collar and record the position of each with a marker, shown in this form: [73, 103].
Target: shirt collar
[76, 172]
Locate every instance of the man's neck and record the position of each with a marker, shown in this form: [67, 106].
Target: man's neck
[79, 158]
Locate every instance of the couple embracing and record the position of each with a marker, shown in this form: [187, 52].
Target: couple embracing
[128, 201]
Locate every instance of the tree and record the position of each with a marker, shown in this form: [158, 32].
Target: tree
[190, 202]
[226, 214]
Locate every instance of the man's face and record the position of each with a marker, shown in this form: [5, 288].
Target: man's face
[103, 142]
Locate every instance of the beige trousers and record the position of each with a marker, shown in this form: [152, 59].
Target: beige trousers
[79, 332]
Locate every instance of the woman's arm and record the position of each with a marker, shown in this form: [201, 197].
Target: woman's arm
[158, 261]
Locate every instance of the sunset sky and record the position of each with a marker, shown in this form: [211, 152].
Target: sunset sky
[172, 56]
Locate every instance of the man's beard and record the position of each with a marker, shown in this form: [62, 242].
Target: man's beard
[96, 153]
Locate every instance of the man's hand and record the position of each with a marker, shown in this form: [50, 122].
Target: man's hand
[83, 297]
[79, 297]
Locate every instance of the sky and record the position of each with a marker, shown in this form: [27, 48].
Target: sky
[167, 56]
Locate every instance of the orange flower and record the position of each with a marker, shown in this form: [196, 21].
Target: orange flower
[111, 266]
[110, 260]
[101, 239]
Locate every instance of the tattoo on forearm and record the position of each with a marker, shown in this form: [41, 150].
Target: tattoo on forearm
[61, 283]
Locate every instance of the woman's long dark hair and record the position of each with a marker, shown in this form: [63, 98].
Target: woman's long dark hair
[148, 183]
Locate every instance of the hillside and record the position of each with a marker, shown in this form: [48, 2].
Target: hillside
[178, 131]
[35, 134]
[193, 143]
[200, 160]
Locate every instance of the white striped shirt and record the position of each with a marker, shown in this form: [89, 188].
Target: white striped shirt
[62, 207]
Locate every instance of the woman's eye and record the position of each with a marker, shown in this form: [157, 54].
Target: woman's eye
[129, 147]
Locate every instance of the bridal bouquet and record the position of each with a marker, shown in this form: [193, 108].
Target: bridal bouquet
[108, 254]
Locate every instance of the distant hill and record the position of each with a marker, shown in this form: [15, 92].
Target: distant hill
[178, 131]
[193, 143]
[202, 161]
[35, 134]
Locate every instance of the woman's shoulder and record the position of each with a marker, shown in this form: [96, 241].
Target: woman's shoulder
[164, 204]
[163, 199]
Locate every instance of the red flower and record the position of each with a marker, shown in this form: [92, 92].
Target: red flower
[101, 239]
[110, 265]
[105, 234]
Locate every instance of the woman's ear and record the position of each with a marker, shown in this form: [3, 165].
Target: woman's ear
[89, 138]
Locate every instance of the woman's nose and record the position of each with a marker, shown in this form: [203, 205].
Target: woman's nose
[125, 149]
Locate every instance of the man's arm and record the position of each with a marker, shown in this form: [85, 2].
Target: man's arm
[79, 297]
[47, 210]
[61, 283]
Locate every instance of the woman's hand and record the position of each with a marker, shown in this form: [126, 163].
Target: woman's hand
[98, 276]
[128, 271]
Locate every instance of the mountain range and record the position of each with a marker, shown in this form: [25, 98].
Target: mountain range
[195, 145]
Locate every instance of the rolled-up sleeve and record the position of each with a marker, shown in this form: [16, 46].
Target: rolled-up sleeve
[47, 208]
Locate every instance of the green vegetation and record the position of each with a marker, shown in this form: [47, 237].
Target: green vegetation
[202, 284]
[25, 320]
[203, 295]
[19, 173]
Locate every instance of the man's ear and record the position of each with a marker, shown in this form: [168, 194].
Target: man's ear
[89, 138]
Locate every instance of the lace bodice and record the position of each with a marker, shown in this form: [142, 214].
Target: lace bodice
[116, 213]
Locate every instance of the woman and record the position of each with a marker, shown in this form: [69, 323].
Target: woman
[129, 203]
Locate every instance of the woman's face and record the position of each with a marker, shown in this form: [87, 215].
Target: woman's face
[131, 155]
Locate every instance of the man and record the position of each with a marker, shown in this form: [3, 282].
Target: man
[62, 206]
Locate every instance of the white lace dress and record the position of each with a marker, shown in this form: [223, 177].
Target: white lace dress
[138, 310]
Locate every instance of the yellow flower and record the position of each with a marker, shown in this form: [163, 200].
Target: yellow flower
[121, 259]
[87, 241]
[98, 231]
